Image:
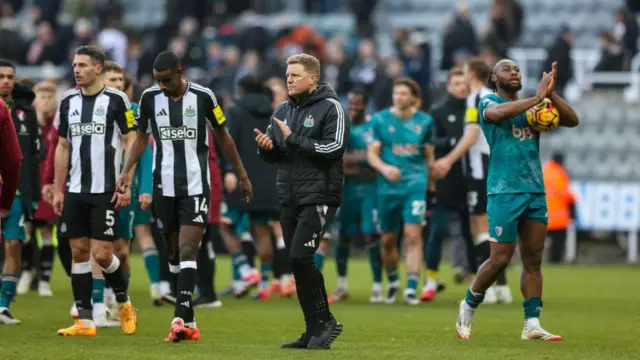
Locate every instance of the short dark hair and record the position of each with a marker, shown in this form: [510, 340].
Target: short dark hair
[7, 63]
[95, 53]
[360, 92]
[112, 66]
[166, 60]
[252, 84]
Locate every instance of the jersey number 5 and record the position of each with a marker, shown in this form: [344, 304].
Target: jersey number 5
[110, 220]
[201, 206]
[418, 207]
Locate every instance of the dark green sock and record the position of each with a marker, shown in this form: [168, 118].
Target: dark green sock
[97, 292]
[532, 307]
[392, 274]
[342, 257]
[374, 261]
[474, 299]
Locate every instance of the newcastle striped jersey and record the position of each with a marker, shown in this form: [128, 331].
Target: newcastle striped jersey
[94, 125]
[479, 152]
[179, 127]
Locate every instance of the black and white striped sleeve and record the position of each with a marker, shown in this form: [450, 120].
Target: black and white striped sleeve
[123, 112]
[145, 111]
[335, 133]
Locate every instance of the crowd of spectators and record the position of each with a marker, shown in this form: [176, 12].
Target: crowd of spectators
[220, 41]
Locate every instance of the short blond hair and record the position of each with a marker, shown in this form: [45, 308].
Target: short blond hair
[45, 86]
[309, 62]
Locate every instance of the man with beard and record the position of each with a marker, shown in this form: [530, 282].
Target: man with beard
[516, 203]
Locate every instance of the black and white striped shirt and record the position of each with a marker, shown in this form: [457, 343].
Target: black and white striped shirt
[94, 125]
[179, 127]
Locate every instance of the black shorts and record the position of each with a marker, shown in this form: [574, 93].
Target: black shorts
[477, 196]
[89, 215]
[173, 212]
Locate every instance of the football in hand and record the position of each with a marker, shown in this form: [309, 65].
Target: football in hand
[543, 117]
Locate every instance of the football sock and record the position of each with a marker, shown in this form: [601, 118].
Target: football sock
[432, 279]
[342, 257]
[474, 299]
[412, 280]
[64, 254]
[81, 284]
[116, 278]
[249, 251]
[206, 271]
[152, 264]
[174, 270]
[532, 307]
[241, 264]
[186, 282]
[265, 271]
[373, 253]
[8, 289]
[27, 255]
[46, 260]
[318, 259]
[392, 275]
[97, 292]
[501, 278]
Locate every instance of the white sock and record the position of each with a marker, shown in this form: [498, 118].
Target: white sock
[285, 279]
[377, 287]
[342, 283]
[280, 244]
[432, 284]
[3, 309]
[532, 322]
[408, 291]
[467, 307]
[245, 270]
[394, 284]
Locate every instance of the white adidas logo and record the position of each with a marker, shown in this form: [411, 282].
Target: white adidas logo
[186, 304]
[199, 219]
[109, 232]
[311, 243]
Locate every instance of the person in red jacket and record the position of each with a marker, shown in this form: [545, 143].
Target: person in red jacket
[206, 254]
[10, 161]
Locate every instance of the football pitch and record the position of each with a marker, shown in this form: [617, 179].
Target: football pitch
[596, 309]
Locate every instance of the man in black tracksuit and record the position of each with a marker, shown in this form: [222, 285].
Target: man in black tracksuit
[307, 139]
[451, 191]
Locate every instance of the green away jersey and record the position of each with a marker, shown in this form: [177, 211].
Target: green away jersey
[359, 137]
[403, 142]
[514, 165]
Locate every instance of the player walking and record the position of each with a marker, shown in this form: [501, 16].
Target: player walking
[94, 122]
[358, 212]
[516, 206]
[178, 112]
[402, 152]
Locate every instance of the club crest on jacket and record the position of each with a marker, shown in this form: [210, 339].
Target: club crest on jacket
[309, 121]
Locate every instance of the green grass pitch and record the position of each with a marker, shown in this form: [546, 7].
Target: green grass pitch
[597, 309]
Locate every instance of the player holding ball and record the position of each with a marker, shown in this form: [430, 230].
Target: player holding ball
[516, 207]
